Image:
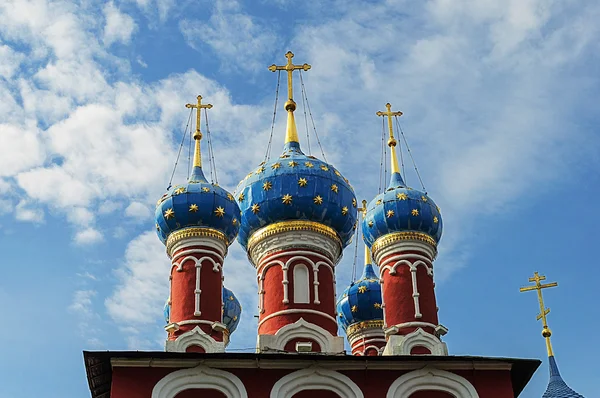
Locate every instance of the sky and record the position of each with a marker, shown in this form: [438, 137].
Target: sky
[500, 103]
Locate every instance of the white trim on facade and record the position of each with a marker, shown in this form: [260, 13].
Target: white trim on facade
[301, 284]
[195, 337]
[297, 311]
[430, 378]
[315, 378]
[300, 329]
[217, 244]
[199, 377]
[402, 345]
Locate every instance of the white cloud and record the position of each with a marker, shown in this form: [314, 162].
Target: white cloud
[80, 216]
[138, 210]
[82, 302]
[88, 236]
[24, 212]
[10, 61]
[119, 26]
[20, 149]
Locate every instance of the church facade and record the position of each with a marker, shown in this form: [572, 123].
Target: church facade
[294, 214]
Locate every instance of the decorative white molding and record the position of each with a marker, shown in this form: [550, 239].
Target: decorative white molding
[217, 267]
[195, 337]
[296, 240]
[315, 378]
[405, 246]
[195, 322]
[402, 345]
[297, 311]
[301, 284]
[197, 290]
[430, 378]
[300, 329]
[217, 244]
[395, 328]
[199, 377]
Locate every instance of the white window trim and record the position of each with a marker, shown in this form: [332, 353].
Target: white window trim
[301, 287]
[315, 378]
[430, 378]
[199, 377]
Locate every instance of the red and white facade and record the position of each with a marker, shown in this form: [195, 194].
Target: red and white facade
[196, 280]
[408, 294]
[295, 269]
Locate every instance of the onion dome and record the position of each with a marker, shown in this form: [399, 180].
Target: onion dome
[167, 311]
[401, 209]
[557, 388]
[361, 301]
[198, 204]
[232, 310]
[296, 187]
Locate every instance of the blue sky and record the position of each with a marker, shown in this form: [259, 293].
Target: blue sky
[500, 103]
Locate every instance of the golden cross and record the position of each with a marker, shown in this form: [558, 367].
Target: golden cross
[198, 135]
[290, 105]
[392, 140]
[537, 278]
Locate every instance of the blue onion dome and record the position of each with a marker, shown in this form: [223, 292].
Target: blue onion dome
[167, 311]
[402, 209]
[361, 301]
[557, 388]
[232, 310]
[198, 204]
[296, 187]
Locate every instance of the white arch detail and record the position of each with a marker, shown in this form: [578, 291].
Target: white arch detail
[196, 336]
[199, 377]
[315, 378]
[412, 266]
[301, 284]
[430, 378]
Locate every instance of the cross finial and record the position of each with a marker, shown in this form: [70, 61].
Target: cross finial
[290, 105]
[392, 140]
[546, 333]
[198, 135]
[363, 210]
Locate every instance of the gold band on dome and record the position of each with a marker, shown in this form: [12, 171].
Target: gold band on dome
[293, 225]
[194, 232]
[398, 236]
[364, 325]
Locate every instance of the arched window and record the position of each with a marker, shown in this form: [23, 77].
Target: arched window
[301, 288]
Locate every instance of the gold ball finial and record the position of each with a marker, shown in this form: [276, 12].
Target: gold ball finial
[392, 142]
[546, 332]
[197, 135]
[290, 105]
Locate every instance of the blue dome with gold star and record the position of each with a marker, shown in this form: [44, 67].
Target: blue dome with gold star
[296, 187]
[197, 204]
[361, 301]
[232, 310]
[402, 209]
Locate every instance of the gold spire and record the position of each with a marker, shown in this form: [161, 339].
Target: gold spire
[291, 135]
[363, 210]
[392, 140]
[546, 333]
[198, 135]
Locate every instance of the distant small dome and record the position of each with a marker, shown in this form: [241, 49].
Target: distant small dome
[296, 187]
[232, 310]
[361, 301]
[167, 312]
[401, 209]
[197, 203]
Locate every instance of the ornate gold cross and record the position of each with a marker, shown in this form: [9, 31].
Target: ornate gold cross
[290, 105]
[537, 278]
[198, 135]
[392, 140]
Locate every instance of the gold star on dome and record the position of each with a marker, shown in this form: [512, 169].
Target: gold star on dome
[193, 207]
[241, 197]
[324, 168]
[401, 196]
[337, 173]
[287, 199]
[345, 295]
[318, 200]
[284, 156]
[302, 182]
[340, 315]
[259, 170]
[179, 191]
[379, 201]
[435, 220]
[169, 213]
[255, 208]
[414, 212]
[353, 202]
[344, 210]
[309, 165]
[370, 224]
[249, 175]
[390, 213]
[334, 188]
[230, 298]
[438, 209]
[292, 164]
[354, 308]
[234, 221]
[377, 305]
[205, 189]
[362, 289]
[275, 166]
[230, 197]
[219, 211]
[424, 198]
[235, 317]
[157, 227]
[267, 185]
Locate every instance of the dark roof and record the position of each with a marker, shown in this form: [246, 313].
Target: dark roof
[99, 370]
[557, 388]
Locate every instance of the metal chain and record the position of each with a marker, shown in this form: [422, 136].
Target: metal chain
[311, 117]
[268, 151]
[411, 156]
[211, 153]
[382, 157]
[179, 152]
[306, 121]
[356, 235]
